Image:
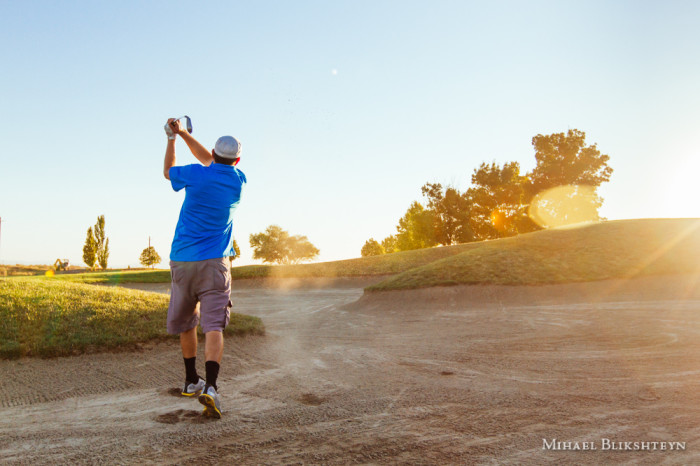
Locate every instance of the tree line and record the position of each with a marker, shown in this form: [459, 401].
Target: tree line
[498, 204]
[500, 200]
[274, 245]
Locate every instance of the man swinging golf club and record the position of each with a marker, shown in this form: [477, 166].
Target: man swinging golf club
[199, 258]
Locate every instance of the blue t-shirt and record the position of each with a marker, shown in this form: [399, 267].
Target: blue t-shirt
[205, 227]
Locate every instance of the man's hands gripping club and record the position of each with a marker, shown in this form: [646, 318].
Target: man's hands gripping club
[174, 128]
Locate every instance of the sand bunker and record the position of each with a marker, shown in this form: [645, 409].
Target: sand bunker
[437, 376]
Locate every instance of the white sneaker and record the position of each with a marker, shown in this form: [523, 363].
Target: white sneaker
[211, 401]
[192, 389]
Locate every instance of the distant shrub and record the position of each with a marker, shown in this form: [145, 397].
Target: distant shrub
[372, 248]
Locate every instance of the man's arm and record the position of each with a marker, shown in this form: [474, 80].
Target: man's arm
[169, 158]
[170, 130]
[197, 149]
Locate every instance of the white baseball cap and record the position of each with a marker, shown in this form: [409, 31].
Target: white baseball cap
[228, 147]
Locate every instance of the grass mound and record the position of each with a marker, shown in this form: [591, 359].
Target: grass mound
[606, 250]
[46, 317]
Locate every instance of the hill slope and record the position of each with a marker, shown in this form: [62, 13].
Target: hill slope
[606, 250]
[613, 249]
[387, 264]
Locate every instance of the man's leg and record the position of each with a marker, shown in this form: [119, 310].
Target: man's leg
[215, 304]
[184, 314]
[188, 343]
[213, 351]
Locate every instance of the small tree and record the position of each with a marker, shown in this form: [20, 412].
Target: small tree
[276, 245]
[149, 257]
[102, 251]
[236, 250]
[372, 248]
[90, 249]
[103, 255]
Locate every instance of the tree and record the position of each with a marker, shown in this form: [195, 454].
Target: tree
[236, 250]
[565, 205]
[149, 257]
[301, 249]
[103, 255]
[576, 171]
[452, 210]
[372, 248]
[416, 228]
[498, 204]
[275, 245]
[564, 159]
[389, 244]
[90, 249]
[102, 251]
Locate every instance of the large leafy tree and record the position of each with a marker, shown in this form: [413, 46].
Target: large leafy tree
[564, 160]
[90, 249]
[451, 214]
[497, 199]
[275, 245]
[416, 228]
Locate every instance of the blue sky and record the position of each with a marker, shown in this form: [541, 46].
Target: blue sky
[344, 110]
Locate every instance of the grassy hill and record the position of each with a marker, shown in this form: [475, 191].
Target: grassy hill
[388, 264]
[607, 250]
[43, 317]
[614, 249]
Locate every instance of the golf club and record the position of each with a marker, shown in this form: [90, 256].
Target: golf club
[188, 122]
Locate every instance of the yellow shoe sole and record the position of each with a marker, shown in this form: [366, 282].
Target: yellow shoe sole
[209, 406]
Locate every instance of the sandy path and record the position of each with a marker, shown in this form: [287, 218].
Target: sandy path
[440, 376]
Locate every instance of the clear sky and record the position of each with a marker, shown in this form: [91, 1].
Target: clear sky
[344, 109]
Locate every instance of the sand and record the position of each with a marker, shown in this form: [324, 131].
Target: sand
[458, 375]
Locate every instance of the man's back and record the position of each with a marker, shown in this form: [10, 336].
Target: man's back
[205, 227]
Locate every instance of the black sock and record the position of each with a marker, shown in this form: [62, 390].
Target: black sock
[190, 370]
[212, 373]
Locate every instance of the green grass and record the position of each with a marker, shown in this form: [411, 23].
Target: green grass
[48, 317]
[606, 250]
[117, 277]
[388, 264]
[615, 249]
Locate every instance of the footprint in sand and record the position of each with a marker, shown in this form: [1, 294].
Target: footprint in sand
[182, 415]
[311, 399]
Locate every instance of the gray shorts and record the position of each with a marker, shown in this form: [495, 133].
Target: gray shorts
[200, 290]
